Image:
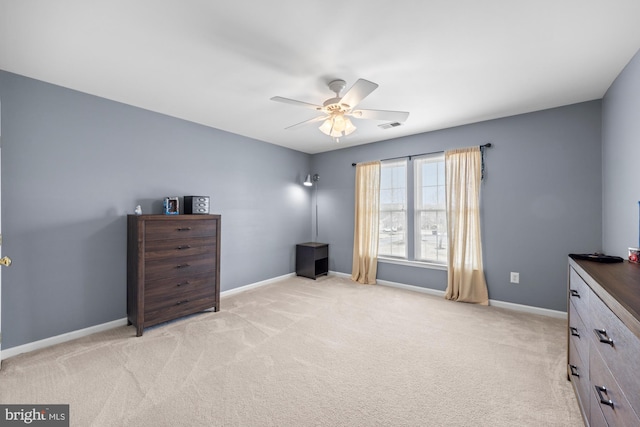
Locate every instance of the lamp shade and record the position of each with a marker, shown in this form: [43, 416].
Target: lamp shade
[337, 125]
[307, 181]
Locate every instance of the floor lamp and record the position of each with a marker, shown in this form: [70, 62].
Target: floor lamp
[309, 182]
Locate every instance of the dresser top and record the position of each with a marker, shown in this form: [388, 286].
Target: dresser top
[163, 217]
[313, 244]
[620, 283]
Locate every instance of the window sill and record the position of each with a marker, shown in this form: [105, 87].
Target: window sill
[419, 264]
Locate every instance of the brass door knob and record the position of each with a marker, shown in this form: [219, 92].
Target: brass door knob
[6, 261]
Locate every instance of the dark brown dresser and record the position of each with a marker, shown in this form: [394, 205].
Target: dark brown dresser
[604, 341]
[173, 267]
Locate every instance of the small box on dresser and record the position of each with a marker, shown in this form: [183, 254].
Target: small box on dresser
[173, 267]
[604, 341]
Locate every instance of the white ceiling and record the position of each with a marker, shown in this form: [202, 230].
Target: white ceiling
[218, 63]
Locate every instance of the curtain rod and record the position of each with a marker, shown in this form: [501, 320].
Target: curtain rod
[487, 145]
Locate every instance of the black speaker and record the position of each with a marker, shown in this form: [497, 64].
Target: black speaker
[196, 205]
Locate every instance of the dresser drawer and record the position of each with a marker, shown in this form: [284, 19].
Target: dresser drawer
[622, 355]
[178, 229]
[166, 249]
[604, 387]
[579, 293]
[596, 416]
[178, 309]
[178, 267]
[322, 252]
[579, 375]
[169, 292]
[579, 335]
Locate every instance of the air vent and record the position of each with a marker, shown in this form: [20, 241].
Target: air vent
[389, 125]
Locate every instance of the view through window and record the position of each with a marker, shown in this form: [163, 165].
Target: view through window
[412, 210]
[430, 209]
[393, 209]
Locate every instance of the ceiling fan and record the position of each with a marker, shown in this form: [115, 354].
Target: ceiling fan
[336, 111]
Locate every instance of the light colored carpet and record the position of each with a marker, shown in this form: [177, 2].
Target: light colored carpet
[312, 353]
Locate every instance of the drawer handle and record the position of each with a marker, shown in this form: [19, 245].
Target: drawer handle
[183, 266]
[575, 293]
[184, 228]
[574, 370]
[184, 301]
[603, 337]
[186, 282]
[574, 332]
[183, 247]
[600, 390]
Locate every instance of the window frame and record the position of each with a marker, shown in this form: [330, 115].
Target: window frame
[439, 209]
[411, 178]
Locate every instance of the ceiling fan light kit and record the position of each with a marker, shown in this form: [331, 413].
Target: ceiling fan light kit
[337, 110]
[337, 125]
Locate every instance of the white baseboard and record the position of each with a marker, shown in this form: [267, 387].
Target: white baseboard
[529, 309]
[244, 288]
[495, 303]
[58, 339]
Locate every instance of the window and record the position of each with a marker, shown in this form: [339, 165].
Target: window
[393, 209]
[413, 228]
[430, 209]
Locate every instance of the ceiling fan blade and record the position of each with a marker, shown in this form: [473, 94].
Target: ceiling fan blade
[391, 116]
[298, 103]
[306, 122]
[359, 91]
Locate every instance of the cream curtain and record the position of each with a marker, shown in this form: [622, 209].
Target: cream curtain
[466, 281]
[365, 234]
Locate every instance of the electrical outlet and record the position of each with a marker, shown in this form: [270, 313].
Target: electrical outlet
[515, 277]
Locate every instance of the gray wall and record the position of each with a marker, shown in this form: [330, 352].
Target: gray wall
[73, 165]
[541, 199]
[621, 161]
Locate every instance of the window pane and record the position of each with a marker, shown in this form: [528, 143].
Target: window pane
[429, 173]
[430, 213]
[393, 240]
[398, 230]
[399, 196]
[385, 196]
[429, 197]
[433, 236]
[393, 209]
[384, 244]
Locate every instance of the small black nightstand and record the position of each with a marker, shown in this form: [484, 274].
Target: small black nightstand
[312, 259]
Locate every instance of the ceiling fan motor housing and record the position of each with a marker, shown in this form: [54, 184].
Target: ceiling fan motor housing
[333, 105]
[337, 86]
